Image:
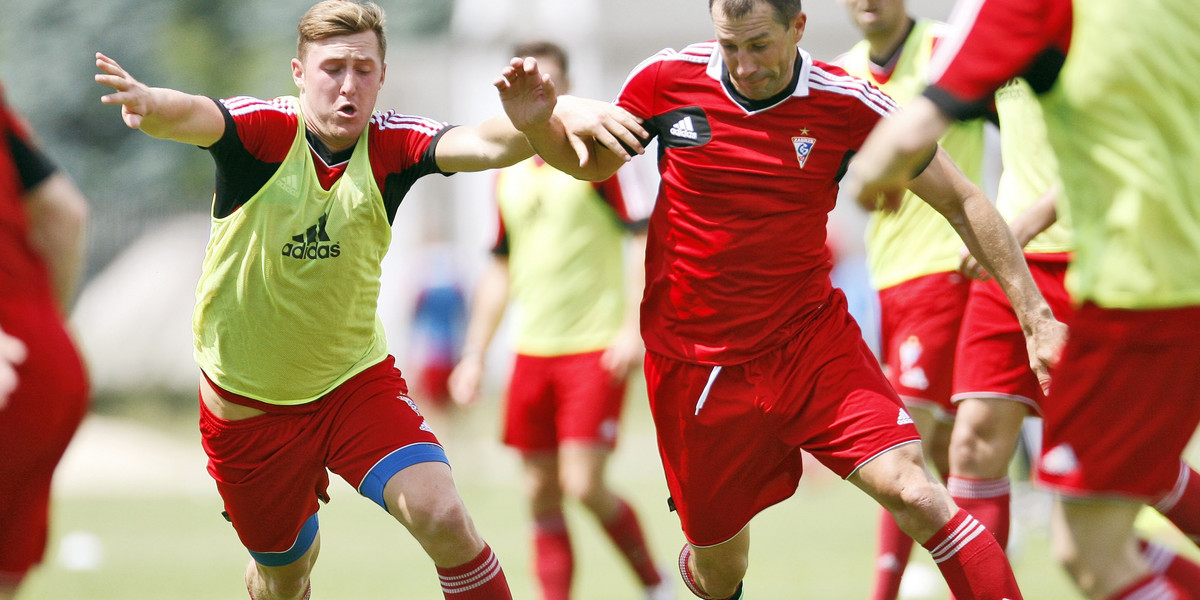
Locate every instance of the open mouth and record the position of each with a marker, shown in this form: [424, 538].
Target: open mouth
[347, 111]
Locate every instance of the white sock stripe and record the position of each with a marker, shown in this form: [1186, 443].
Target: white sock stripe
[1159, 557]
[961, 487]
[966, 532]
[484, 573]
[1168, 502]
[954, 534]
[1157, 589]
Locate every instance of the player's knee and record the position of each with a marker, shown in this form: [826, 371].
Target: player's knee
[588, 491]
[720, 578]
[441, 525]
[277, 583]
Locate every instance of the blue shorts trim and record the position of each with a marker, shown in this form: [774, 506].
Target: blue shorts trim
[304, 541]
[400, 459]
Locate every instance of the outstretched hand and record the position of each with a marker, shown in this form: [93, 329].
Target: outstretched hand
[133, 95]
[528, 95]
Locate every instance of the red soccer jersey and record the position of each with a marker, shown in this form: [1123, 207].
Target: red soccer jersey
[258, 134]
[23, 274]
[992, 42]
[736, 260]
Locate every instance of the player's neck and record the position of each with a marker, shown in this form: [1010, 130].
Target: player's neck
[885, 46]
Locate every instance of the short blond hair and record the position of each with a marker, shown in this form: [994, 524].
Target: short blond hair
[331, 18]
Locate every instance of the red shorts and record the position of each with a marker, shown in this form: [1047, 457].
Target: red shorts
[993, 361]
[920, 319]
[730, 437]
[36, 425]
[271, 469]
[1123, 404]
[552, 399]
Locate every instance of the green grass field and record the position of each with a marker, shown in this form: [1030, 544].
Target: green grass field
[816, 545]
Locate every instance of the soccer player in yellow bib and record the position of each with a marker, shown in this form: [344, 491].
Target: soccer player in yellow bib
[569, 254]
[1119, 98]
[913, 256]
[297, 376]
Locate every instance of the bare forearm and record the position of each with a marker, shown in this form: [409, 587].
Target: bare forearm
[182, 117]
[995, 247]
[58, 215]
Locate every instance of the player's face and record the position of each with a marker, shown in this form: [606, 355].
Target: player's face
[876, 16]
[758, 50]
[339, 79]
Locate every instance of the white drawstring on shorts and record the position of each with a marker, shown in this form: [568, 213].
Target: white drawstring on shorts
[708, 386]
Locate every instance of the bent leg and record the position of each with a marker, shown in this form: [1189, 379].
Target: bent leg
[1096, 545]
[984, 439]
[972, 563]
[583, 476]
[424, 499]
[553, 559]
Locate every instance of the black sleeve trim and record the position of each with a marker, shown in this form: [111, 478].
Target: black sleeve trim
[955, 108]
[240, 175]
[396, 185]
[33, 167]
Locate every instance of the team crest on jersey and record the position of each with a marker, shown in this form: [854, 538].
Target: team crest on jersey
[803, 146]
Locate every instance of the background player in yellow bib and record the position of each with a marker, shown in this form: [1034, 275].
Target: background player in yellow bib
[913, 256]
[297, 377]
[569, 255]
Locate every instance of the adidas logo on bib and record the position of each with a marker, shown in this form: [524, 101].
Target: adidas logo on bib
[684, 129]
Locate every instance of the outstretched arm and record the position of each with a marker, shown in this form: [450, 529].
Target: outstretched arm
[587, 139]
[160, 112]
[990, 240]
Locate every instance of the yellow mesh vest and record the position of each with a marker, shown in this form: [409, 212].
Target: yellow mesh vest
[286, 303]
[1124, 118]
[916, 240]
[566, 259]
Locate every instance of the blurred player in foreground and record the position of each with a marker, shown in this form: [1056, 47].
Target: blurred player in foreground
[43, 384]
[751, 354]
[1120, 115]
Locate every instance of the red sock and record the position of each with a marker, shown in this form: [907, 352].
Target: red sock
[971, 561]
[1152, 586]
[626, 533]
[554, 563]
[1164, 561]
[690, 581]
[988, 500]
[1182, 505]
[481, 578]
[892, 551]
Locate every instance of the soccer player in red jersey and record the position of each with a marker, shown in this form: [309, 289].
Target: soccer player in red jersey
[1118, 95]
[43, 384]
[751, 354]
[297, 377]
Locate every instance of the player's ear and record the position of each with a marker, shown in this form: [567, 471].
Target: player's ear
[382, 74]
[298, 73]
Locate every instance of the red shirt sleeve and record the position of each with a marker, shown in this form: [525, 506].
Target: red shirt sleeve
[993, 41]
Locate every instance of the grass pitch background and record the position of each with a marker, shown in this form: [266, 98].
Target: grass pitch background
[152, 528]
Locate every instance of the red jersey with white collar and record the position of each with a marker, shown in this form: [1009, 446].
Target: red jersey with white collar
[736, 262]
